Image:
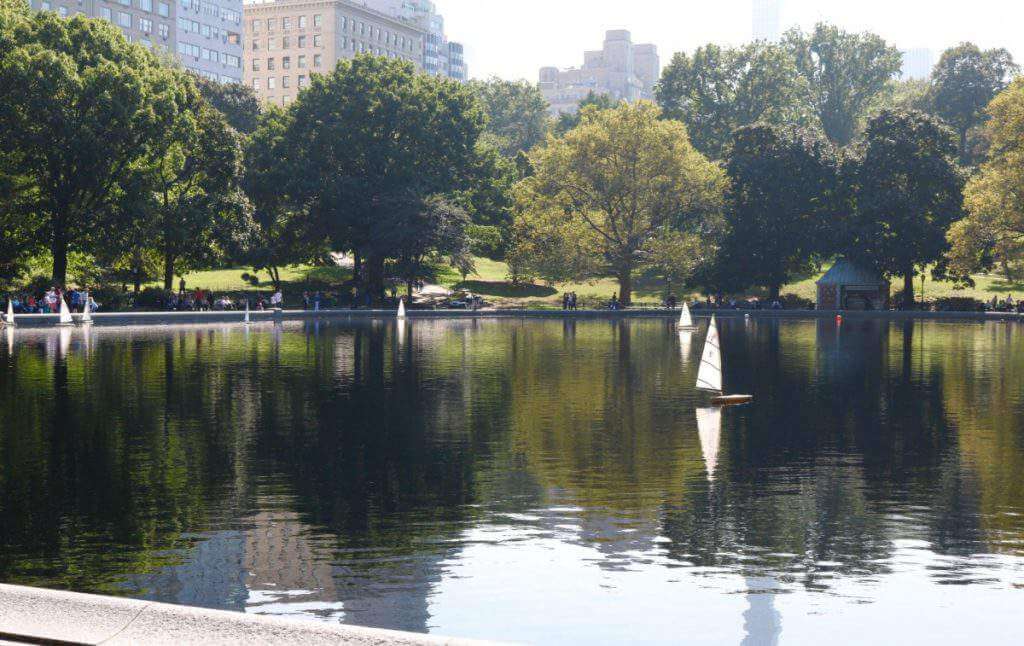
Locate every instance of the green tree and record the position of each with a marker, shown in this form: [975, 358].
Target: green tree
[517, 113]
[568, 120]
[844, 73]
[964, 82]
[717, 90]
[426, 232]
[81, 106]
[236, 101]
[908, 191]
[779, 208]
[993, 231]
[284, 234]
[373, 133]
[616, 184]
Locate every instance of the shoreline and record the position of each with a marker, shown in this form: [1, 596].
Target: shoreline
[135, 319]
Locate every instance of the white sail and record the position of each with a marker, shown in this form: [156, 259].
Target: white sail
[709, 377]
[401, 308]
[709, 428]
[65, 313]
[685, 320]
[10, 312]
[86, 313]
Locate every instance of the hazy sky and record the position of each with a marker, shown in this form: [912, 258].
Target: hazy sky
[514, 38]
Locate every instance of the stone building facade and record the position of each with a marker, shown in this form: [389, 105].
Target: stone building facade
[621, 70]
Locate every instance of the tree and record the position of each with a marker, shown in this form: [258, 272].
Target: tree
[993, 231]
[616, 184]
[371, 134]
[779, 206]
[236, 101]
[81, 107]
[199, 211]
[908, 191]
[517, 113]
[425, 232]
[284, 234]
[844, 72]
[964, 82]
[718, 90]
[568, 120]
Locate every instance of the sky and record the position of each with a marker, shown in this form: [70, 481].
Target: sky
[514, 38]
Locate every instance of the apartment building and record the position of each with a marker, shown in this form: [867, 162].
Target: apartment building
[287, 40]
[204, 35]
[441, 57]
[620, 69]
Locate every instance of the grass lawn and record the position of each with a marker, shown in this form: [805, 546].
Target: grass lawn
[490, 280]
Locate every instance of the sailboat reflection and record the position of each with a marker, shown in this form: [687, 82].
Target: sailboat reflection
[685, 343]
[709, 427]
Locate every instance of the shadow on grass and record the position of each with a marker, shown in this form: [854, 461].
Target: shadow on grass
[1003, 286]
[506, 289]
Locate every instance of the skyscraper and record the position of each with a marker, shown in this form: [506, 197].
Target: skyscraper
[767, 20]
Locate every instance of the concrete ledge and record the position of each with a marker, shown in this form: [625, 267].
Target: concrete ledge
[33, 615]
[129, 319]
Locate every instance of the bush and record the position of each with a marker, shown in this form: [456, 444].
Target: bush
[958, 304]
[150, 298]
[794, 302]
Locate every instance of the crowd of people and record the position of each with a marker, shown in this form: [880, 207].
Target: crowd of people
[570, 301]
[49, 301]
[1006, 305]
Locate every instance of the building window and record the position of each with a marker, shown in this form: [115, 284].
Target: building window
[302, 62]
[286, 42]
[271, 44]
[104, 11]
[302, 42]
[302, 22]
[63, 11]
[344, 22]
[286, 23]
[126, 3]
[256, 26]
[319, 19]
[286, 62]
[271, 24]
[146, 5]
[317, 60]
[285, 100]
[164, 30]
[302, 81]
[124, 19]
[270, 63]
[145, 25]
[163, 9]
[362, 28]
[271, 83]
[286, 81]
[255, 84]
[255, 64]
[317, 40]
[255, 45]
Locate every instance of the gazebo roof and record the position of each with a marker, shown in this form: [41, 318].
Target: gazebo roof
[845, 272]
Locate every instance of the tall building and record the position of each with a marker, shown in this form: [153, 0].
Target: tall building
[440, 56]
[767, 20]
[917, 63]
[621, 70]
[204, 35]
[287, 40]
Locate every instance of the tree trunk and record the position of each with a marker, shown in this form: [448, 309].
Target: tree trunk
[374, 277]
[275, 277]
[408, 291]
[59, 249]
[137, 281]
[908, 288]
[168, 271]
[773, 293]
[626, 286]
[963, 148]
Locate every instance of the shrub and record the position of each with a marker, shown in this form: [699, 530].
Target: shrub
[151, 298]
[958, 304]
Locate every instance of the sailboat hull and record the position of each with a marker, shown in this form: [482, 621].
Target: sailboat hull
[731, 400]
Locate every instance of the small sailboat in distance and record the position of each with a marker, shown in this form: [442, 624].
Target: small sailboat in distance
[86, 318]
[685, 320]
[65, 314]
[709, 377]
[10, 312]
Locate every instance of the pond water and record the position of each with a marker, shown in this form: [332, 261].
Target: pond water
[541, 481]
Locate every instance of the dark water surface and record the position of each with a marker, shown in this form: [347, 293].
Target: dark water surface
[529, 480]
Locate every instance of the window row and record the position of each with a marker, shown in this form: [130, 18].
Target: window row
[286, 62]
[286, 82]
[287, 22]
[212, 55]
[213, 10]
[373, 32]
[301, 42]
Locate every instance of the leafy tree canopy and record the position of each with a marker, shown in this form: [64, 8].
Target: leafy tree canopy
[517, 113]
[568, 120]
[236, 101]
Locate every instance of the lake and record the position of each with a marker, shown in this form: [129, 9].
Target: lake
[529, 480]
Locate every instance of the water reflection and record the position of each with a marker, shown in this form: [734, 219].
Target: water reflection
[408, 474]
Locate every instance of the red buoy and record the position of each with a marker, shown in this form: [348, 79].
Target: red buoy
[839, 319]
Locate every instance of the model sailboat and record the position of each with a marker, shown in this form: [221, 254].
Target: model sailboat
[401, 308]
[65, 314]
[86, 318]
[10, 313]
[709, 377]
[685, 320]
